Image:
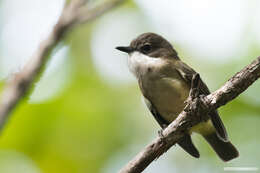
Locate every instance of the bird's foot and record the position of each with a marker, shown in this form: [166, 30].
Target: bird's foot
[160, 134]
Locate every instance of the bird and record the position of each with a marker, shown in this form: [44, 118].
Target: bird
[165, 82]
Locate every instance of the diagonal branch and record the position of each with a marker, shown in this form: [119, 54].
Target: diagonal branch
[73, 14]
[191, 116]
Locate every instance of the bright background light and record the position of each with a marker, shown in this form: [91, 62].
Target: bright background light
[25, 24]
[85, 113]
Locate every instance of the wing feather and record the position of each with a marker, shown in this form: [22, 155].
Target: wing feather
[186, 73]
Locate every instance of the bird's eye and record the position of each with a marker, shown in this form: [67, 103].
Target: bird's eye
[146, 48]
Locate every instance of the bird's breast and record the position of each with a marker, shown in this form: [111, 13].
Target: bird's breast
[167, 95]
[166, 90]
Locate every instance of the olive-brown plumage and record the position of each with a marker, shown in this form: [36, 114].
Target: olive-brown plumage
[165, 82]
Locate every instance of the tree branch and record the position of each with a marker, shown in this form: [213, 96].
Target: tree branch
[196, 111]
[73, 14]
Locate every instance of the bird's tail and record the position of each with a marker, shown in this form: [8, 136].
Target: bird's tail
[225, 150]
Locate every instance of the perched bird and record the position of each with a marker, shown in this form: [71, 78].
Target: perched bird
[165, 83]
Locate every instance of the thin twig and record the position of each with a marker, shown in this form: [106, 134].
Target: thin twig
[73, 14]
[197, 109]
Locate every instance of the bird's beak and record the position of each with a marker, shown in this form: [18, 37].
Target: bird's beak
[126, 49]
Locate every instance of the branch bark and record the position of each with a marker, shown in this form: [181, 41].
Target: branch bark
[196, 111]
[73, 14]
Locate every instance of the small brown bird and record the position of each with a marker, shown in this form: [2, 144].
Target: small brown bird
[165, 82]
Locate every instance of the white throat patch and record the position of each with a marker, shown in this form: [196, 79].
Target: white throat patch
[139, 63]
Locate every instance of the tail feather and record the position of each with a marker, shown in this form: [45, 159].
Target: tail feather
[225, 150]
[187, 144]
[219, 126]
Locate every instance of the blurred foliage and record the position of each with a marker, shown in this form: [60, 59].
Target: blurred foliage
[91, 122]
[80, 128]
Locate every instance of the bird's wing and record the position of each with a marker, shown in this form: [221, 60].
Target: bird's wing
[161, 121]
[187, 73]
[185, 142]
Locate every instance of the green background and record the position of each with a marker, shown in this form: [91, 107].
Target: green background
[93, 126]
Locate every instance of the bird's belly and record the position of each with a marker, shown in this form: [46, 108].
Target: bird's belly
[168, 96]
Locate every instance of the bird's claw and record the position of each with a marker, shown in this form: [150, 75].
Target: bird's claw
[161, 136]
